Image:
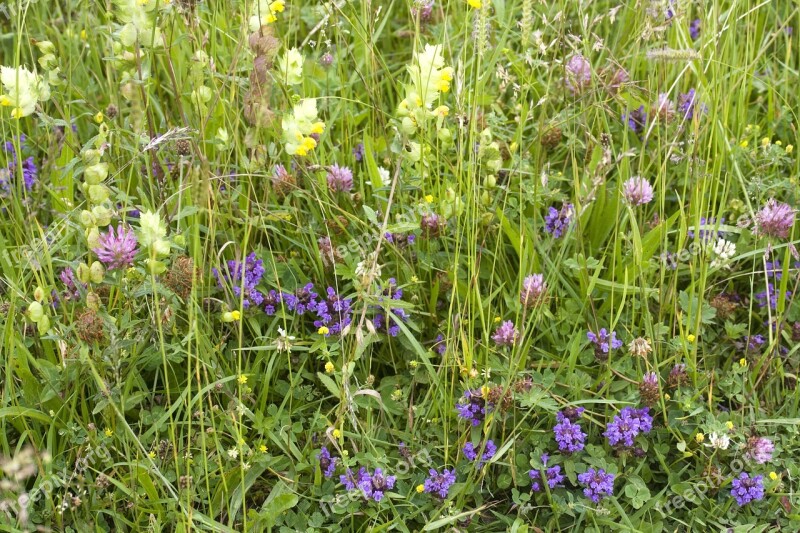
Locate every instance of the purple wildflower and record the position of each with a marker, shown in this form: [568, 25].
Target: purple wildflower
[117, 251]
[440, 345]
[687, 104]
[664, 108]
[326, 60]
[245, 276]
[474, 407]
[627, 425]
[775, 219]
[597, 484]
[375, 486]
[391, 325]
[556, 222]
[327, 463]
[432, 225]
[506, 334]
[603, 341]
[358, 152]
[636, 120]
[333, 312]
[533, 290]
[471, 452]
[770, 297]
[28, 167]
[751, 343]
[552, 476]
[746, 489]
[340, 179]
[759, 449]
[569, 436]
[637, 191]
[578, 76]
[304, 299]
[440, 484]
[617, 80]
[422, 9]
[706, 229]
[271, 302]
[648, 388]
[694, 29]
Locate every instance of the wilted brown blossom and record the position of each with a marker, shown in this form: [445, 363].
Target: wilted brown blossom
[89, 327]
[640, 347]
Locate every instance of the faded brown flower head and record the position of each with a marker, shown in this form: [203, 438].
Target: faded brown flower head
[640, 347]
[181, 276]
[551, 137]
[501, 397]
[89, 327]
[725, 304]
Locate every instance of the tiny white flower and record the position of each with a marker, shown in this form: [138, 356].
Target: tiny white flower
[386, 177]
[233, 453]
[284, 342]
[724, 251]
[720, 442]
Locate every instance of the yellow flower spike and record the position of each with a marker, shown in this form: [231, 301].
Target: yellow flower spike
[323, 330]
[329, 367]
[242, 379]
[477, 4]
[337, 434]
[773, 476]
[699, 437]
[421, 488]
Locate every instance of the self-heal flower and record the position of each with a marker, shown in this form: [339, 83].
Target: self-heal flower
[439, 484]
[688, 104]
[597, 484]
[474, 407]
[333, 313]
[506, 334]
[604, 341]
[746, 489]
[327, 463]
[552, 476]
[636, 120]
[694, 29]
[117, 250]
[637, 191]
[471, 452]
[556, 222]
[302, 300]
[627, 425]
[243, 278]
[374, 486]
[569, 436]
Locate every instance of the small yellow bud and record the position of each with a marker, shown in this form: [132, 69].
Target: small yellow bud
[744, 144]
[329, 368]
[773, 476]
[729, 425]
[742, 362]
[429, 199]
[690, 337]
[242, 379]
[475, 3]
[236, 315]
[667, 397]
[765, 142]
[108, 432]
[420, 488]
[98, 117]
[263, 448]
[789, 148]
[323, 330]
[699, 437]
[497, 319]
[337, 434]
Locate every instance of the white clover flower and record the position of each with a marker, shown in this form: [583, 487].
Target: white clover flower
[22, 89]
[719, 442]
[291, 67]
[724, 251]
[284, 342]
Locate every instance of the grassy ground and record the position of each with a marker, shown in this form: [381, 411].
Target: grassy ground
[149, 385]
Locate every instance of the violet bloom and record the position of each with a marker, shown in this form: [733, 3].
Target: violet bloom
[637, 191]
[117, 251]
[471, 452]
[759, 449]
[627, 425]
[326, 60]
[422, 9]
[578, 75]
[27, 168]
[533, 290]
[770, 297]
[506, 334]
[304, 299]
[597, 484]
[617, 80]
[746, 489]
[390, 324]
[648, 388]
[552, 476]
[751, 343]
[243, 276]
[474, 407]
[327, 463]
[375, 486]
[271, 302]
[694, 29]
[604, 341]
[569, 436]
[557, 222]
[440, 484]
[432, 225]
[706, 229]
[687, 104]
[334, 313]
[439, 344]
[775, 219]
[340, 179]
[358, 152]
[636, 120]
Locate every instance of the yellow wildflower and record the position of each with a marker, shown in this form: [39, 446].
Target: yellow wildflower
[428, 198]
[336, 433]
[773, 476]
[742, 362]
[323, 330]
[420, 488]
[99, 117]
[690, 337]
[789, 148]
[242, 379]
[744, 143]
[329, 367]
[263, 448]
[729, 425]
[108, 432]
[699, 437]
[477, 4]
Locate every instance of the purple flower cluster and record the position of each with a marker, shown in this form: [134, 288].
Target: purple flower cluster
[746, 489]
[474, 407]
[627, 425]
[471, 452]
[439, 344]
[28, 167]
[694, 29]
[327, 463]
[439, 484]
[637, 191]
[271, 302]
[569, 435]
[552, 476]
[604, 341]
[373, 486]
[775, 219]
[390, 325]
[770, 297]
[688, 105]
[533, 290]
[340, 179]
[556, 222]
[578, 75]
[636, 120]
[751, 343]
[597, 484]
[506, 334]
[243, 277]
[117, 250]
[333, 312]
[303, 299]
[759, 449]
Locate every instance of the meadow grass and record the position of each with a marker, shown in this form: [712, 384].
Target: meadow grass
[177, 385]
